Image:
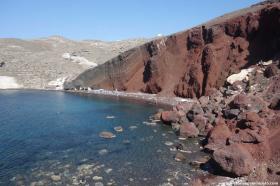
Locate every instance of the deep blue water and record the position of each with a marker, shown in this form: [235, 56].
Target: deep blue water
[45, 133]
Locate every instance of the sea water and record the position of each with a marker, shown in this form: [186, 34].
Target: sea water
[52, 138]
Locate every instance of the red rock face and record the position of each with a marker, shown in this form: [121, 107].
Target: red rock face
[191, 63]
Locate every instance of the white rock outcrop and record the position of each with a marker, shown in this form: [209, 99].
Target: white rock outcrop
[57, 84]
[240, 76]
[7, 82]
[78, 59]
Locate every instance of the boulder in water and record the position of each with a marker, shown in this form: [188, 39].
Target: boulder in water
[118, 129]
[107, 135]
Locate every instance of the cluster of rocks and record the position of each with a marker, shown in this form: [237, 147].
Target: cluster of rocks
[240, 123]
[110, 135]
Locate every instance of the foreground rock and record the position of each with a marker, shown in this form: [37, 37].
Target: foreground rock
[234, 159]
[188, 130]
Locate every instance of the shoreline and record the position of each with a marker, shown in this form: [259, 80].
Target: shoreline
[154, 99]
[136, 97]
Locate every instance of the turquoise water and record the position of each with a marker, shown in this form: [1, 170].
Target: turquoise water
[43, 134]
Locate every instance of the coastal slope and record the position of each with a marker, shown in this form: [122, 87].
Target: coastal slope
[192, 62]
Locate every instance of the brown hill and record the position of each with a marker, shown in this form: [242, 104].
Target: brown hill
[192, 62]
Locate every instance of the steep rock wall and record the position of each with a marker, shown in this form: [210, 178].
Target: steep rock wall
[192, 62]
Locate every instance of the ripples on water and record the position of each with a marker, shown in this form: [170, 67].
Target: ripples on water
[51, 138]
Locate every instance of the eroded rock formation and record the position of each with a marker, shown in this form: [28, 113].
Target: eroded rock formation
[192, 62]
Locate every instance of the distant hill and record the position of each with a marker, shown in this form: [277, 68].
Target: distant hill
[35, 63]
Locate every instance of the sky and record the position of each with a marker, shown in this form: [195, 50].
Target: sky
[108, 20]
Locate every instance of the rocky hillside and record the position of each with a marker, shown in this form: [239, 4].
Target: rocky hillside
[192, 62]
[240, 123]
[47, 62]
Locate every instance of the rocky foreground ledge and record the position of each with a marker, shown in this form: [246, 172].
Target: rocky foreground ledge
[240, 122]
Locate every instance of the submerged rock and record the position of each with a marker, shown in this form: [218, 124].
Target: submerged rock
[126, 142]
[197, 163]
[168, 143]
[180, 157]
[56, 177]
[118, 129]
[175, 127]
[149, 123]
[98, 184]
[110, 117]
[133, 127]
[97, 178]
[167, 184]
[157, 116]
[108, 170]
[103, 152]
[107, 135]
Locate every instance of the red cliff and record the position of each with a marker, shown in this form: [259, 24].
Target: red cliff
[192, 62]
